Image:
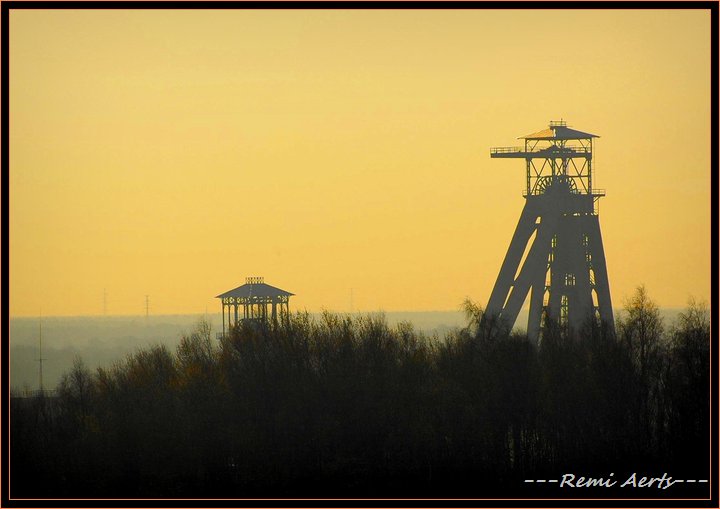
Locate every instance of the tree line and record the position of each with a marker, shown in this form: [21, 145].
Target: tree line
[346, 406]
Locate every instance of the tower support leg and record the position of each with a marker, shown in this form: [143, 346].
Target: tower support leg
[602, 286]
[523, 231]
[536, 306]
[533, 269]
[580, 294]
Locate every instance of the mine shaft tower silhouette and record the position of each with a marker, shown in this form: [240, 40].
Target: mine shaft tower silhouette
[556, 252]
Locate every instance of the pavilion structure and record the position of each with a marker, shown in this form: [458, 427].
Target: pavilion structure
[255, 300]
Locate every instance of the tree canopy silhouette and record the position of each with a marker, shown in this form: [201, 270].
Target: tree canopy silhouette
[349, 406]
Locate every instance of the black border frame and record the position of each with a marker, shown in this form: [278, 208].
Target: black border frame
[7, 6]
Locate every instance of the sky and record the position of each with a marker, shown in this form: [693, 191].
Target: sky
[343, 155]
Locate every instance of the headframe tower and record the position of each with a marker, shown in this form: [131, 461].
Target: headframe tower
[556, 252]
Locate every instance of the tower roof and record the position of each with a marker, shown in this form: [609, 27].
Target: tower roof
[559, 130]
[254, 290]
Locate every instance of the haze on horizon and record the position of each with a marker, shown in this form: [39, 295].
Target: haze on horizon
[172, 153]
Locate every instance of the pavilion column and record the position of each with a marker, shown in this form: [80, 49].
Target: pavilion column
[223, 315]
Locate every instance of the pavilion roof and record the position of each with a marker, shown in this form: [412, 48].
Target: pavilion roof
[254, 290]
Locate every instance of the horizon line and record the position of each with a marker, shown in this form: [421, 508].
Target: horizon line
[383, 311]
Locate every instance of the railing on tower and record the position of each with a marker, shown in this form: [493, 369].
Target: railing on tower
[553, 149]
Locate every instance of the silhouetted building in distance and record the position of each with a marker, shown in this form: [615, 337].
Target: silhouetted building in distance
[255, 300]
[557, 251]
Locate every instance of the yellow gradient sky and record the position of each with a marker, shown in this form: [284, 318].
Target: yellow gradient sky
[174, 153]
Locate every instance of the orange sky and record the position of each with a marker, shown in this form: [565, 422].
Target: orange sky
[173, 153]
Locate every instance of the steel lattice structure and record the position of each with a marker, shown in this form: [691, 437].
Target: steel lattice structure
[556, 253]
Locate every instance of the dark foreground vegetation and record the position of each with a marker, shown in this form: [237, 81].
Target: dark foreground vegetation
[342, 407]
